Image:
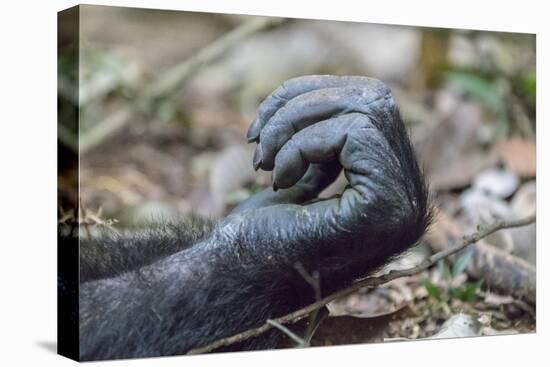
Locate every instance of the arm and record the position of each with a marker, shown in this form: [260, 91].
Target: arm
[244, 272]
[111, 253]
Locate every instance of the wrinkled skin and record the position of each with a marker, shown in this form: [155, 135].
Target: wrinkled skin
[218, 282]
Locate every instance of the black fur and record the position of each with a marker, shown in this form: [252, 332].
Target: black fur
[178, 288]
[116, 252]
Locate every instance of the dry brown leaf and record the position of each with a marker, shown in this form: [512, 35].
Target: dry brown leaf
[460, 172]
[519, 155]
[337, 330]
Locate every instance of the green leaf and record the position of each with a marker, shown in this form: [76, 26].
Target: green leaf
[466, 292]
[478, 88]
[444, 271]
[461, 263]
[433, 290]
[528, 86]
[166, 111]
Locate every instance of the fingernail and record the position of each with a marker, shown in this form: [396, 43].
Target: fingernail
[257, 160]
[253, 131]
[273, 182]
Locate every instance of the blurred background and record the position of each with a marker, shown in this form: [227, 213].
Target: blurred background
[166, 97]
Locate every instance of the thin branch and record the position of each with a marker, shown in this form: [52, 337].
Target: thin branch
[482, 232]
[104, 129]
[314, 280]
[301, 342]
[316, 318]
[172, 80]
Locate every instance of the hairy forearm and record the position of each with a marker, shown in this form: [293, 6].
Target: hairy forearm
[143, 301]
[106, 252]
[195, 294]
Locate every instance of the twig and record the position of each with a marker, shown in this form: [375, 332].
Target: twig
[317, 317]
[314, 280]
[109, 126]
[301, 342]
[172, 80]
[179, 74]
[503, 271]
[483, 231]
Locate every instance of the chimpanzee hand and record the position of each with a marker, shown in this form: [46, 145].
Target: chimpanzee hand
[325, 123]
